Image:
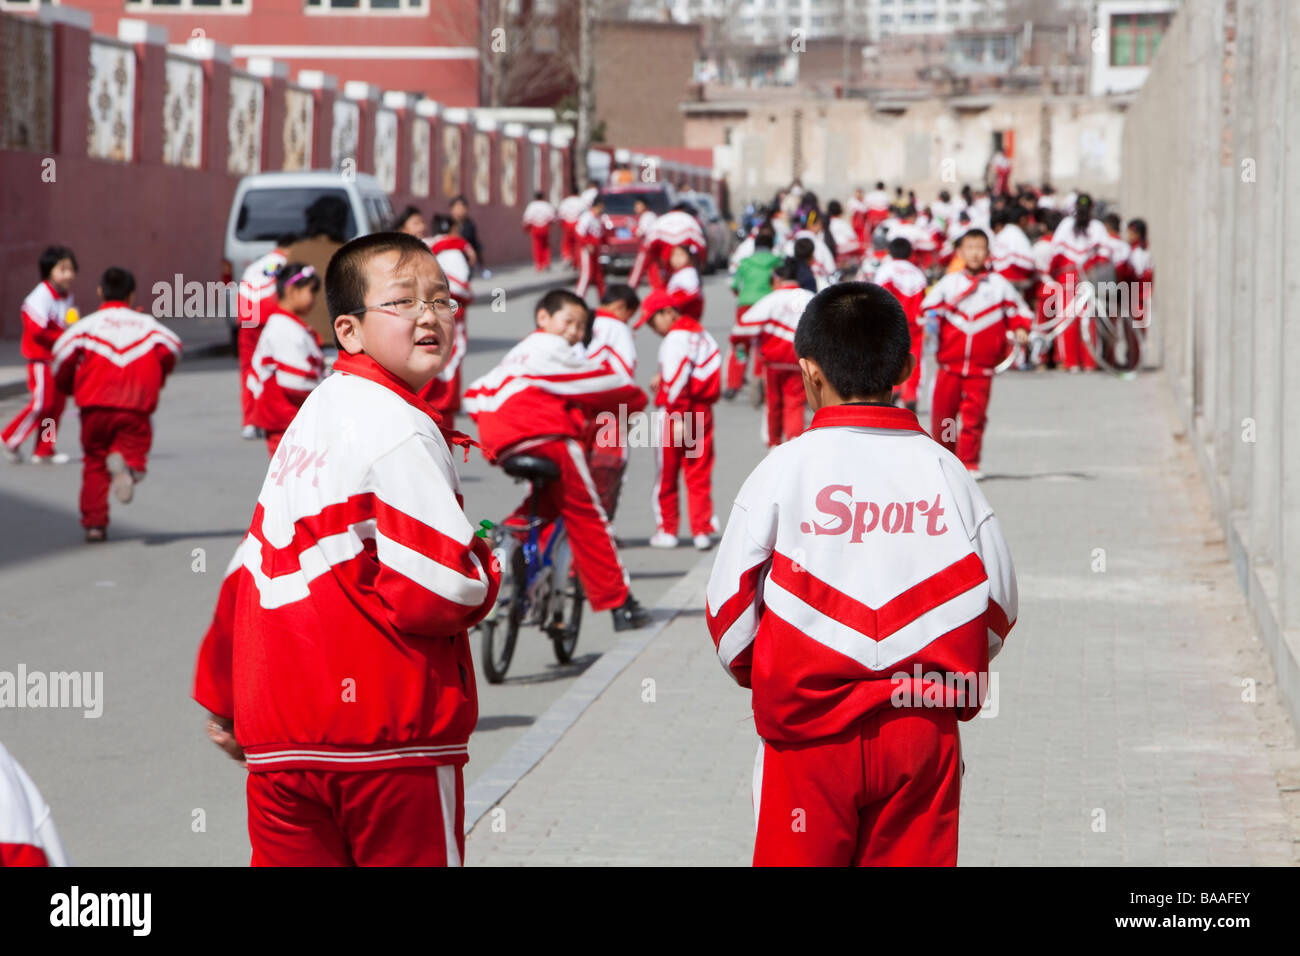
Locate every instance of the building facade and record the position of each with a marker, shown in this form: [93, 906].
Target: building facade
[1130, 32]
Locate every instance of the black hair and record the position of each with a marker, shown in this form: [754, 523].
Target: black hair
[1140, 227]
[555, 300]
[907, 212]
[944, 195]
[1112, 221]
[620, 292]
[880, 185]
[52, 256]
[900, 248]
[458, 199]
[285, 239]
[765, 236]
[977, 231]
[440, 224]
[400, 219]
[328, 215]
[1082, 212]
[1052, 218]
[833, 208]
[684, 207]
[345, 277]
[116, 284]
[289, 273]
[787, 270]
[539, 195]
[857, 333]
[804, 249]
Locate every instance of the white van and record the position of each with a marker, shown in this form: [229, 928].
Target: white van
[268, 205]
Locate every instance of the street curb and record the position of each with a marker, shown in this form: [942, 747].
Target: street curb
[499, 779]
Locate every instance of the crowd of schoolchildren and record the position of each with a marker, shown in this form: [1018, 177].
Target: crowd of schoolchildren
[858, 549]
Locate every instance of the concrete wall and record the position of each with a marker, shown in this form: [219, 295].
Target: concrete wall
[643, 71]
[934, 144]
[1205, 154]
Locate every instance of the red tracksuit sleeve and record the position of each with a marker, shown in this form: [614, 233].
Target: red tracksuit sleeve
[435, 576]
[609, 399]
[734, 596]
[67, 356]
[213, 682]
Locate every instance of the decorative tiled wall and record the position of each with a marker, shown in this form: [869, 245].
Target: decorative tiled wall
[299, 108]
[26, 86]
[450, 160]
[346, 134]
[509, 172]
[183, 114]
[110, 132]
[244, 126]
[385, 158]
[482, 168]
[419, 157]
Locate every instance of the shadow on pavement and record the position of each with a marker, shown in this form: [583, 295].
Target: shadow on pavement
[504, 720]
[557, 671]
[156, 539]
[1041, 476]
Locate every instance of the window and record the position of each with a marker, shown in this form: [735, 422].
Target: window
[365, 6]
[209, 6]
[1135, 37]
[268, 213]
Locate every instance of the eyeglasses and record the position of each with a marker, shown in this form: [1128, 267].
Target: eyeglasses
[412, 308]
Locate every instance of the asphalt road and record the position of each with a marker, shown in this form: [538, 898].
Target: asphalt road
[140, 784]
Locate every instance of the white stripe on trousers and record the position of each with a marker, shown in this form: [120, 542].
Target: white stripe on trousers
[584, 276]
[659, 475]
[447, 796]
[637, 268]
[32, 418]
[758, 779]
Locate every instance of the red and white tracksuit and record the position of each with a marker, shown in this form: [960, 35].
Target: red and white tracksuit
[526, 404]
[771, 323]
[287, 364]
[861, 570]
[570, 211]
[644, 264]
[687, 293]
[976, 313]
[674, 228]
[848, 247]
[45, 314]
[1074, 253]
[257, 299]
[1137, 271]
[611, 342]
[823, 262]
[590, 235]
[538, 216]
[339, 643]
[906, 283]
[877, 202]
[114, 363]
[443, 391]
[27, 833]
[857, 210]
[690, 382]
[1012, 255]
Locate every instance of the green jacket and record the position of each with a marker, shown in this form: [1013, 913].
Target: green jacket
[753, 278]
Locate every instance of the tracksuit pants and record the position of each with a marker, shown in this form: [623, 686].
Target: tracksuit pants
[734, 377]
[406, 817]
[607, 467]
[541, 247]
[574, 498]
[590, 271]
[106, 430]
[786, 401]
[247, 345]
[647, 265]
[1070, 350]
[569, 242]
[694, 464]
[884, 792]
[967, 396]
[41, 414]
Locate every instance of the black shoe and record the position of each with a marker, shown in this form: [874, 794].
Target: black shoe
[630, 615]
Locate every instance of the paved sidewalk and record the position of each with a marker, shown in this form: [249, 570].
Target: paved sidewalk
[1120, 737]
[211, 336]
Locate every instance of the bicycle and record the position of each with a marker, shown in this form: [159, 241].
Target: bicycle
[540, 588]
[1109, 334]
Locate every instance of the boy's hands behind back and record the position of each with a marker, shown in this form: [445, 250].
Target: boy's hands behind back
[221, 731]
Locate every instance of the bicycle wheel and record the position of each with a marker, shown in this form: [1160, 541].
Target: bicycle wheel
[566, 615]
[1113, 342]
[499, 631]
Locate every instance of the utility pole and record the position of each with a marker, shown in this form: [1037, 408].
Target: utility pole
[586, 94]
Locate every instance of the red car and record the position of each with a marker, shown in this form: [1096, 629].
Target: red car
[621, 243]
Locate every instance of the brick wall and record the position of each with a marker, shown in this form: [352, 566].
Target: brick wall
[643, 71]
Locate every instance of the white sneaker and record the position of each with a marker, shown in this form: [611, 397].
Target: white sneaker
[58, 458]
[976, 474]
[703, 542]
[123, 480]
[250, 433]
[662, 539]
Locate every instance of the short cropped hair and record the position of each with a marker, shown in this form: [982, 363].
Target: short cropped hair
[765, 236]
[116, 284]
[555, 300]
[52, 256]
[900, 248]
[619, 292]
[804, 249]
[857, 333]
[345, 277]
[787, 270]
[976, 233]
